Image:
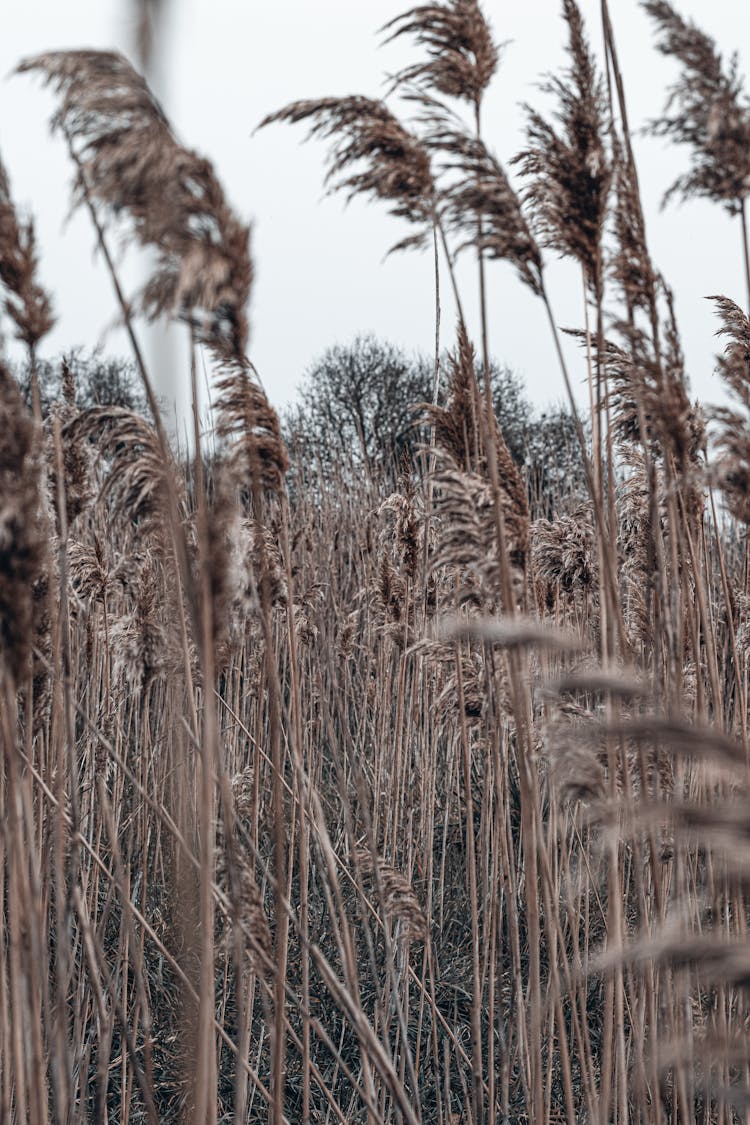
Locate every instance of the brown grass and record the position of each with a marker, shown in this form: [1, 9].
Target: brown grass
[326, 798]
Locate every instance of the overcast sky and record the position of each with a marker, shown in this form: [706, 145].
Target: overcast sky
[321, 276]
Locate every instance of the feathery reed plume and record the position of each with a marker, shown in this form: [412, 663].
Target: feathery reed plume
[674, 425]
[27, 304]
[91, 575]
[563, 552]
[461, 431]
[707, 110]
[569, 170]
[255, 462]
[140, 643]
[456, 426]
[630, 263]
[478, 202]
[130, 161]
[467, 434]
[682, 423]
[635, 538]
[76, 452]
[136, 479]
[242, 552]
[392, 602]
[23, 538]
[733, 468]
[467, 541]
[471, 699]
[242, 794]
[510, 634]
[394, 165]
[583, 726]
[399, 900]
[577, 773]
[462, 55]
[307, 606]
[266, 558]
[514, 497]
[406, 529]
[256, 454]
[631, 379]
[257, 552]
[734, 365]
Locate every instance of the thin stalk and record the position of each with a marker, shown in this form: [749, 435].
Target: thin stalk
[745, 246]
[205, 1091]
[596, 498]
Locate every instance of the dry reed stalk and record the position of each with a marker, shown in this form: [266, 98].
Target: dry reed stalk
[528, 835]
[127, 158]
[481, 187]
[569, 167]
[147, 16]
[24, 537]
[569, 171]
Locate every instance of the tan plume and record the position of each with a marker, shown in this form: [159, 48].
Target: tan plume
[27, 303]
[372, 154]
[462, 56]
[130, 161]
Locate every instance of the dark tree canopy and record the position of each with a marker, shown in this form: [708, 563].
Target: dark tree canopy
[357, 402]
[98, 380]
[552, 462]
[360, 398]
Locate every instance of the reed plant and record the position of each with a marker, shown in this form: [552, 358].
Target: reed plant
[336, 794]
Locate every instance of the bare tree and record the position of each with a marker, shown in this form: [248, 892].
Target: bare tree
[358, 400]
[361, 401]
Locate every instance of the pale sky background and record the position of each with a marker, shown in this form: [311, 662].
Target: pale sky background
[321, 276]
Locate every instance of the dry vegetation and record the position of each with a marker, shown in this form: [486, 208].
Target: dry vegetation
[327, 802]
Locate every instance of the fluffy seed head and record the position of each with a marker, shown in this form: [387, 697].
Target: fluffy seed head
[568, 166]
[26, 303]
[733, 469]
[462, 56]
[707, 110]
[23, 539]
[130, 162]
[372, 154]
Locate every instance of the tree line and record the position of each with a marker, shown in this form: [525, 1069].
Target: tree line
[359, 402]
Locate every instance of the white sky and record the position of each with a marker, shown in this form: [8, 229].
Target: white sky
[320, 273]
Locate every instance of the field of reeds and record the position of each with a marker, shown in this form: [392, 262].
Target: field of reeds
[390, 793]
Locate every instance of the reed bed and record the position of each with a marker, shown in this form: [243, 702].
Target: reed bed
[380, 793]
